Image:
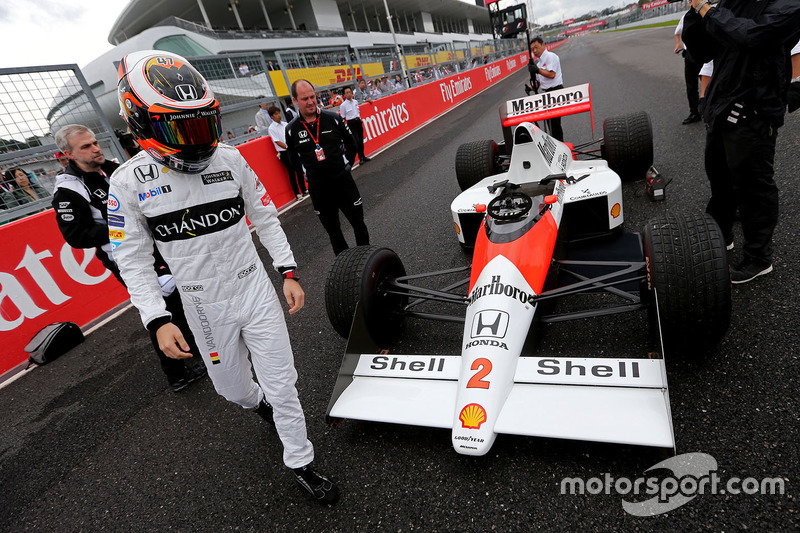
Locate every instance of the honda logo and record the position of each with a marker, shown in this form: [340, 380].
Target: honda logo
[302, 134]
[490, 323]
[186, 92]
[145, 173]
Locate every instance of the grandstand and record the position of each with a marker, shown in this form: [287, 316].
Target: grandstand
[328, 41]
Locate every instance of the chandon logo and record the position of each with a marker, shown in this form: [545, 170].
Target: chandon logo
[197, 220]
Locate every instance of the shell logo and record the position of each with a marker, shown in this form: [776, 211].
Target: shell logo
[615, 210]
[472, 416]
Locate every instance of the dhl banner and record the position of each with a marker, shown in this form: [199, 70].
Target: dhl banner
[43, 280]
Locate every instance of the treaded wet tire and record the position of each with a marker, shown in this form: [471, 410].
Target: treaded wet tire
[687, 265]
[628, 145]
[356, 275]
[476, 160]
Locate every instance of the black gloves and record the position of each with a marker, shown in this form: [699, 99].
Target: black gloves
[533, 68]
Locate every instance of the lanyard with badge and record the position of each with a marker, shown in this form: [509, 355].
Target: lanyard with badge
[318, 149]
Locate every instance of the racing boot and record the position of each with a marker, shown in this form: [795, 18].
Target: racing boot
[319, 486]
[264, 410]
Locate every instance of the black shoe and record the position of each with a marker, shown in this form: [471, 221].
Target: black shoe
[192, 374]
[748, 271]
[527, 89]
[264, 410]
[320, 487]
[364, 159]
[694, 117]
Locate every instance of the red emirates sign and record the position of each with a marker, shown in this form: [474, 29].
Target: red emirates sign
[651, 5]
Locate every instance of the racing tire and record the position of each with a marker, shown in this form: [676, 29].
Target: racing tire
[476, 160]
[357, 275]
[687, 266]
[628, 145]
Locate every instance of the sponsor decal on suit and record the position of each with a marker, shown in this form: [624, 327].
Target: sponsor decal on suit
[145, 173]
[216, 177]
[117, 221]
[197, 220]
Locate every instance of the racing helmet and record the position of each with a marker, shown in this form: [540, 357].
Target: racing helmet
[169, 108]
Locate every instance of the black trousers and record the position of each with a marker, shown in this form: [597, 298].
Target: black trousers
[176, 368]
[357, 127]
[691, 71]
[339, 194]
[740, 163]
[296, 179]
[555, 123]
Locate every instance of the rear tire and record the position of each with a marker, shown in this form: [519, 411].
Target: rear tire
[628, 145]
[687, 266]
[357, 275]
[476, 160]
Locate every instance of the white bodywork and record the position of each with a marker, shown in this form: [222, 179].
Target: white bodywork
[600, 180]
[491, 388]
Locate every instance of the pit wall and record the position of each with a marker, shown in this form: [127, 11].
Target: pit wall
[43, 280]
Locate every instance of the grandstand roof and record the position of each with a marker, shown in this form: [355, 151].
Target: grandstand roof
[140, 15]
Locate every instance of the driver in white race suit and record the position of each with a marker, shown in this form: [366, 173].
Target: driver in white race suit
[190, 195]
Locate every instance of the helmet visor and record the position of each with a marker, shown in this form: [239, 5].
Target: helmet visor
[187, 129]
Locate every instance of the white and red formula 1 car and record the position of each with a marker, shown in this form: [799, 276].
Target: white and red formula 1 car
[546, 229]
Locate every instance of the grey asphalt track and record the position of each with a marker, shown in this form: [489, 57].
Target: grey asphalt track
[96, 441]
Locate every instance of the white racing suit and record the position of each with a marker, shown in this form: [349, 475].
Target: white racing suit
[199, 226]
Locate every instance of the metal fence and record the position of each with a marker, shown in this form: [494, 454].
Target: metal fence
[241, 82]
[34, 103]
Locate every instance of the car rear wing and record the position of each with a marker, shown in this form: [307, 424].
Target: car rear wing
[546, 105]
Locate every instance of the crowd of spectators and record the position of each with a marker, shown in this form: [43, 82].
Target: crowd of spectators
[18, 188]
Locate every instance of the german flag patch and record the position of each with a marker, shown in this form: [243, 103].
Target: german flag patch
[214, 358]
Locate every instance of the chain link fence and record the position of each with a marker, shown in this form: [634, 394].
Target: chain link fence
[34, 103]
[241, 83]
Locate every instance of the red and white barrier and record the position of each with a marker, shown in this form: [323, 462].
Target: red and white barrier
[43, 280]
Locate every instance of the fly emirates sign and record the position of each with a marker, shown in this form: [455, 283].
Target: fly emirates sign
[43, 280]
[389, 118]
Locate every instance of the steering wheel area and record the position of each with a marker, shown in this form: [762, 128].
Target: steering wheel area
[509, 206]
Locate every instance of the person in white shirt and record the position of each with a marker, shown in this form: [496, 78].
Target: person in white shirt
[262, 118]
[277, 132]
[352, 115]
[548, 75]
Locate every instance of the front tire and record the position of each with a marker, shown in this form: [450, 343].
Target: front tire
[476, 160]
[628, 144]
[688, 268]
[358, 275]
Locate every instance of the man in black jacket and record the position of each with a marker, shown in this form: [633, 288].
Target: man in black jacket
[81, 202]
[319, 141]
[749, 42]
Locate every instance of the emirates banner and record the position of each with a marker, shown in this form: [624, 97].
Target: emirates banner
[43, 280]
[389, 118]
[657, 3]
